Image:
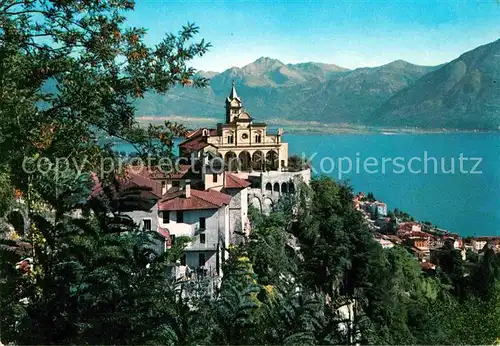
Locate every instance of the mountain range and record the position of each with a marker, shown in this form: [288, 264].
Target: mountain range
[461, 94]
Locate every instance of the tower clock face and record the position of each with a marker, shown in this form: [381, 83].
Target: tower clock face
[244, 136]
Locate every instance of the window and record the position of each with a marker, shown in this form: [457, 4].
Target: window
[183, 260]
[172, 239]
[180, 217]
[163, 185]
[201, 259]
[176, 183]
[244, 136]
[166, 217]
[214, 177]
[202, 238]
[230, 139]
[235, 111]
[202, 223]
[258, 138]
[146, 224]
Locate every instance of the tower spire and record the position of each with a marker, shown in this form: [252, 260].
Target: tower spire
[233, 105]
[234, 94]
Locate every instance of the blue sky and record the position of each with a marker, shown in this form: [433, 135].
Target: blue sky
[344, 32]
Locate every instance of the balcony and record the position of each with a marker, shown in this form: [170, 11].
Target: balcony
[197, 246]
[222, 142]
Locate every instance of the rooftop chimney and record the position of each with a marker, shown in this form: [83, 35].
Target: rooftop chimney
[187, 188]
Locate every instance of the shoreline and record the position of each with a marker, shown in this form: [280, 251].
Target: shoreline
[303, 127]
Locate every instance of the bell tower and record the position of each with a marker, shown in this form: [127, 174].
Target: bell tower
[233, 105]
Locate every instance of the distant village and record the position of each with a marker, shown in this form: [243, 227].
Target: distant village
[424, 240]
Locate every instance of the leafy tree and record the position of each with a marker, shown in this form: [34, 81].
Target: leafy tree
[297, 163]
[370, 197]
[392, 226]
[89, 284]
[485, 275]
[451, 269]
[466, 322]
[70, 74]
[271, 255]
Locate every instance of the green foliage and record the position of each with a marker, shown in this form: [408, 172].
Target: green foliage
[70, 74]
[451, 269]
[6, 193]
[297, 163]
[402, 216]
[89, 284]
[471, 321]
[285, 285]
[485, 274]
[338, 262]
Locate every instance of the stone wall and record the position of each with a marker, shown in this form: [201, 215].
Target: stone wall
[267, 187]
[238, 209]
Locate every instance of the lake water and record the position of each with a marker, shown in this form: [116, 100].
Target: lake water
[463, 202]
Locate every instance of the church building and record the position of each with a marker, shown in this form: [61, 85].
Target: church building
[244, 145]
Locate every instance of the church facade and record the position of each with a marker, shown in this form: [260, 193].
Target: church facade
[243, 144]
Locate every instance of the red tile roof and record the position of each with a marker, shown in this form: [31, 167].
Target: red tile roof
[195, 141]
[165, 234]
[427, 265]
[234, 182]
[128, 181]
[197, 132]
[210, 199]
[140, 181]
[195, 144]
[147, 172]
[157, 173]
[413, 234]
[182, 172]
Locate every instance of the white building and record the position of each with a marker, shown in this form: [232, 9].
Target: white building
[478, 244]
[378, 209]
[203, 217]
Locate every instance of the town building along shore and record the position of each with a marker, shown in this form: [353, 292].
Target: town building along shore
[422, 239]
